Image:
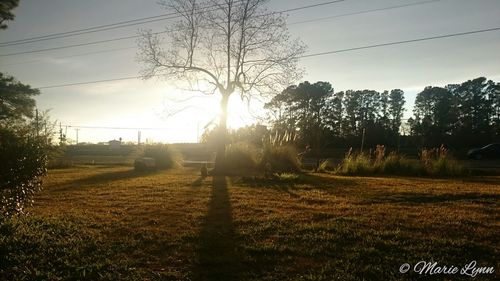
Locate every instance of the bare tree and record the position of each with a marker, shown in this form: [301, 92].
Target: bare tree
[224, 47]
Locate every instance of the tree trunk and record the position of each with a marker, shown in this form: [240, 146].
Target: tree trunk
[221, 137]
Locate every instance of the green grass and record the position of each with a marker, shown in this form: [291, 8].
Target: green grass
[111, 223]
[433, 163]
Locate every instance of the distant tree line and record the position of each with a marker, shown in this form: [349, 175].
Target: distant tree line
[316, 116]
[457, 115]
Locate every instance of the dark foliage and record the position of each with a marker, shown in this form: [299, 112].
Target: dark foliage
[5, 11]
[23, 158]
[458, 116]
[164, 155]
[16, 99]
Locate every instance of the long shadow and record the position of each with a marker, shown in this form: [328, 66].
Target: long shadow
[198, 182]
[217, 258]
[423, 198]
[102, 179]
[329, 185]
[285, 187]
[484, 180]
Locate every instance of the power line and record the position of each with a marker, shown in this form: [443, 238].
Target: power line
[401, 42]
[136, 36]
[161, 32]
[96, 28]
[75, 45]
[14, 43]
[91, 82]
[113, 128]
[71, 56]
[130, 23]
[310, 55]
[366, 12]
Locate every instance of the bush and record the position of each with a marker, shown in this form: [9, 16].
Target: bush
[280, 159]
[165, 157]
[355, 164]
[433, 162]
[395, 164]
[23, 158]
[439, 162]
[242, 156]
[327, 166]
[271, 159]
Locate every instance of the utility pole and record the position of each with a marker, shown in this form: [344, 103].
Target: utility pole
[77, 135]
[45, 136]
[363, 140]
[138, 138]
[198, 132]
[36, 121]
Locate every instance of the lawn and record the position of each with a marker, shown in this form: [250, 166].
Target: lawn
[112, 223]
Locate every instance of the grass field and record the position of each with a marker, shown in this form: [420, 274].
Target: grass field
[111, 223]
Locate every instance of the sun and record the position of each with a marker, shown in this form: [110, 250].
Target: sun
[164, 114]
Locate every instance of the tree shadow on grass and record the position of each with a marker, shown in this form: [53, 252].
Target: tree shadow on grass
[483, 180]
[282, 186]
[304, 181]
[102, 178]
[217, 258]
[426, 198]
[198, 182]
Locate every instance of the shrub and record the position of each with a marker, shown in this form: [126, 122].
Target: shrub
[23, 158]
[271, 159]
[433, 162]
[395, 164]
[327, 166]
[280, 159]
[165, 157]
[242, 156]
[355, 164]
[439, 162]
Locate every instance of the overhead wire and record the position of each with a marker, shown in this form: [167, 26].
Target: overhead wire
[72, 56]
[401, 42]
[156, 33]
[98, 28]
[112, 128]
[365, 12]
[124, 24]
[313, 54]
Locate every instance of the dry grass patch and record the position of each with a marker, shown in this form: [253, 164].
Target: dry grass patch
[112, 223]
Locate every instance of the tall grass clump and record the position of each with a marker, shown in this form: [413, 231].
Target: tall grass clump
[164, 156]
[439, 162]
[274, 157]
[279, 155]
[280, 159]
[327, 165]
[395, 164]
[432, 162]
[355, 164]
[242, 156]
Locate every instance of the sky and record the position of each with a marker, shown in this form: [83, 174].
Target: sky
[163, 112]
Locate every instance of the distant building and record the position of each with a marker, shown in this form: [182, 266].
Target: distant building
[114, 144]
